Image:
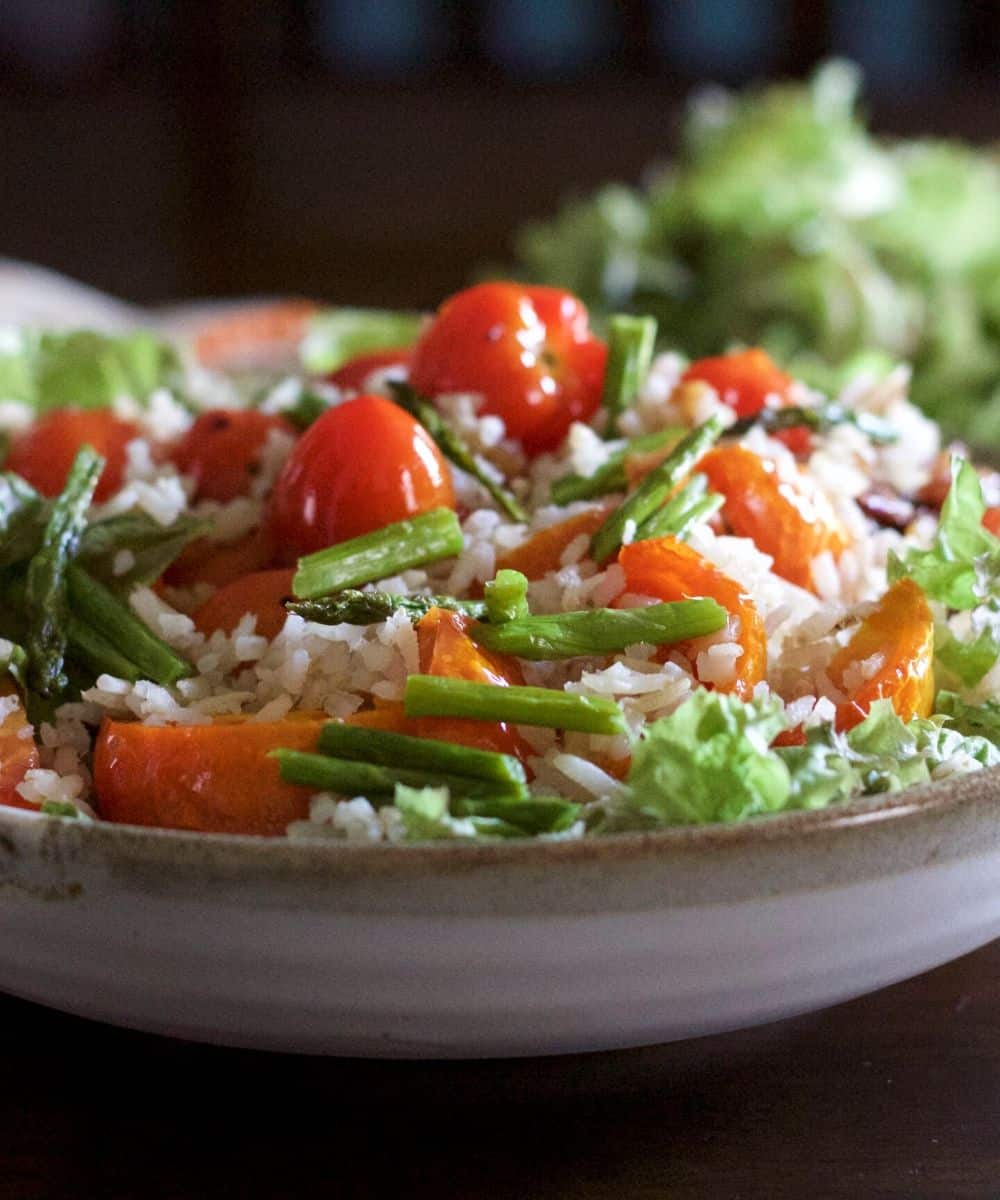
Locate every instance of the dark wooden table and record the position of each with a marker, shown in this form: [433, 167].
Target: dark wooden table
[894, 1095]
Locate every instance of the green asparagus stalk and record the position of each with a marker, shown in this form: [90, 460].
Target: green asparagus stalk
[113, 620]
[631, 341]
[601, 630]
[386, 551]
[453, 446]
[689, 507]
[346, 777]
[434, 696]
[820, 420]
[612, 476]
[383, 748]
[654, 490]
[523, 818]
[352, 607]
[506, 597]
[46, 600]
[94, 651]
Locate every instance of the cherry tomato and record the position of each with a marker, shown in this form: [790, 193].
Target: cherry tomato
[262, 593]
[528, 350]
[743, 379]
[353, 376]
[781, 516]
[44, 454]
[897, 639]
[220, 563]
[360, 466]
[222, 451]
[670, 570]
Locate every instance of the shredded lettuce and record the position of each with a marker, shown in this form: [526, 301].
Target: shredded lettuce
[340, 334]
[783, 222]
[83, 369]
[709, 761]
[971, 720]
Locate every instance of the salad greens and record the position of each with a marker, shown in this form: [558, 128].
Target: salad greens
[82, 369]
[712, 759]
[339, 334]
[784, 223]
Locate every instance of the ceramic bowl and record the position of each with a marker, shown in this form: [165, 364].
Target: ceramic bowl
[510, 949]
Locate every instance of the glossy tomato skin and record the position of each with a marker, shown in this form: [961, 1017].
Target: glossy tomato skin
[362, 465]
[222, 451]
[354, 375]
[527, 350]
[743, 379]
[44, 454]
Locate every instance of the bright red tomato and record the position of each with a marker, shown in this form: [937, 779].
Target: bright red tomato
[528, 350]
[353, 375]
[44, 454]
[744, 380]
[222, 451]
[362, 465]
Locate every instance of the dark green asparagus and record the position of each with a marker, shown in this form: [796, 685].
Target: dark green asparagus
[382, 748]
[654, 490]
[612, 476]
[506, 597]
[819, 420]
[688, 507]
[352, 607]
[45, 596]
[631, 341]
[346, 777]
[454, 448]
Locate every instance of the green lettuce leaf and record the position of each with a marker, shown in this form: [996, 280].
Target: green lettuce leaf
[819, 771]
[967, 662]
[709, 761]
[83, 369]
[340, 334]
[971, 720]
[962, 567]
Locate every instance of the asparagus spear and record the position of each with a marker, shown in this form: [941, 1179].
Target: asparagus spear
[523, 818]
[820, 420]
[46, 591]
[434, 696]
[630, 351]
[115, 622]
[453, 447]
[506, 597]
[611, 477]
[654, 490]
[601, 630]
[383, 748]
[349, 778]
[352, 607]
[691, 505]
[386, 551]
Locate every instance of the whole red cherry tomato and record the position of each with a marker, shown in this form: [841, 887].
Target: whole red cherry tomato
[353, 376]
[44, 454]
[360, 466]
[222, 451]
[528, 350]
[744, 380]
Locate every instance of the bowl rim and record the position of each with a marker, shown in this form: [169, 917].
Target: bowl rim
[264, 856]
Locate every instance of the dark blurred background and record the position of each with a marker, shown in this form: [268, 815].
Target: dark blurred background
[371, 151]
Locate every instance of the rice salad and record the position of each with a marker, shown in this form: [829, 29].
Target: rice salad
[370, 576]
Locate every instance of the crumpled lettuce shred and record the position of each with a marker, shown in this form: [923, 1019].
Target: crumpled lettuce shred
[48, 369]
[783, 222]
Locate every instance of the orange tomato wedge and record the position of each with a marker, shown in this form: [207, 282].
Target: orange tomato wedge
[255, 336]
[782, 518]
[213, 778]
[543, 550]
[897, 640]
[18, 752]
[262, 593]
[669, 570]
[446, 649]
[221, 563]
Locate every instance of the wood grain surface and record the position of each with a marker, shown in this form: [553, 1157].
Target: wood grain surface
[894, 1095]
